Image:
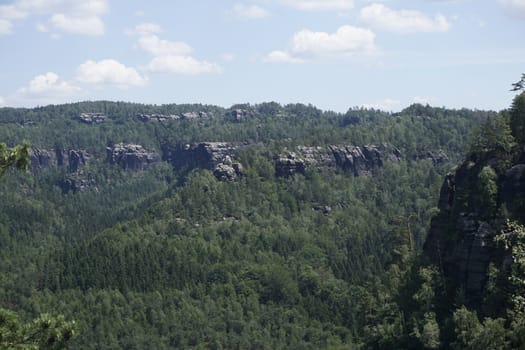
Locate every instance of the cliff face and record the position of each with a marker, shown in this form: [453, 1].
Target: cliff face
[218, 157]
[364, 160]
[461, 237]
[130, 156]
[72, 159]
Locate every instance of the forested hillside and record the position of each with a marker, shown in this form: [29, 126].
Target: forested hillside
[254, 227]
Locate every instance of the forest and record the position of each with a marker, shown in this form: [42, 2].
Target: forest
[121, 235]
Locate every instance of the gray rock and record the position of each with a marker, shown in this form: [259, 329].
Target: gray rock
[218, 157]
[359, 160]
[72, 159]
[41, 159]
[156, 117]
[130, 156]
[74, 185]
[92, 118]
[239, 115]
[289, 164]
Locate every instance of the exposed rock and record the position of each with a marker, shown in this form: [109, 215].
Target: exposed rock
[239, 115]
[289, 164]
[358, 160]
[130, 156]
[74, 185]
[460, 239]
[92, 118]
[228, 171]
[325, 209]
[316, 156]
[167, 117]
[77, 159]
[41, 159]
[513, 191]
[193, 115]
[156, 117]
[218, 157]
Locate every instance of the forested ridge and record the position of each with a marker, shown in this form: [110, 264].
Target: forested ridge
[144, 253]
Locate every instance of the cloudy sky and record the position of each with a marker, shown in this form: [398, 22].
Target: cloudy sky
[335, 54]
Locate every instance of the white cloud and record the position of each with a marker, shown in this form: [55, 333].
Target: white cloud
[186, 65]
[146, 28]
[109, 72]
[347, 41]
[402, 21]
[250, 11]
[41, 27]
[170, 56]
[319, 5]
[515, 8]
[2, 101]
[228, 57]
[47, 88]
[92, 25]
[388, 104]
[278, 56]
[5, 27]
[159, 47]
[70, 16]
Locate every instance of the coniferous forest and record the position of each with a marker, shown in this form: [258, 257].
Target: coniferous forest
[262, 226]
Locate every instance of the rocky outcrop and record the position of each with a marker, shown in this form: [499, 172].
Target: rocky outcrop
[76, 184]
[92, 118]
[289, 164]
[130, 156]
[238, 115]
[513, 191]
[365, 160]
[72, 159]
[41, 159]
[358, 160]
[460, 240]
[218, 157]
[155, 117]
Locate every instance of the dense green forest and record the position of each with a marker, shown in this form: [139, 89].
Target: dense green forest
[166, 254]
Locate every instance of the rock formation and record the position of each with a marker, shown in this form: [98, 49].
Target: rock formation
[289, 164]
[72, 159]
[167, 117]
[218, 157]
[358, 160]
[460, 240]
[92, 118]
[238, 115]
[130, 156]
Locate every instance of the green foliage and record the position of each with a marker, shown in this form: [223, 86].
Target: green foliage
[517, 118]
[17, 157]
[43, 333]
[165, 258]
[513, 239]
[471, 334]
[487, 190]
[493, 135]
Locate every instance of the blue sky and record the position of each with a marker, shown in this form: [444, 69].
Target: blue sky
[335, 54]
